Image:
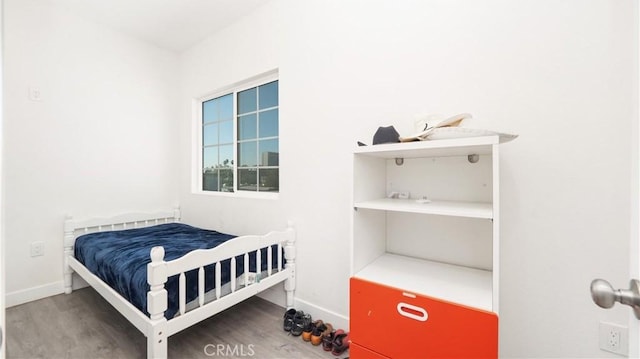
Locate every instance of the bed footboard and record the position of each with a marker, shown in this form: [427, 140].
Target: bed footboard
[158, 271]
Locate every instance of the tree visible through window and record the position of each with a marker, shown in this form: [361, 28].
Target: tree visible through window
[255, 140]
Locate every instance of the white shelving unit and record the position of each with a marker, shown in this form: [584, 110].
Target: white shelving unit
[447, 248]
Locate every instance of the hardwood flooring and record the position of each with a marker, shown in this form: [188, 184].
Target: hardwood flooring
[83, 325]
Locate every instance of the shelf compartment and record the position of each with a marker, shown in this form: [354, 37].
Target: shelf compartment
[480, 210]
[456, 284]
[436, 148]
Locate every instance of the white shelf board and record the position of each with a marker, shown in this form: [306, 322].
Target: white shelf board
[435, 148]
[461, 285]
[444, 208]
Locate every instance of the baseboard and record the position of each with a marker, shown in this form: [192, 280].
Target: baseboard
[34, 293]
[338, 321]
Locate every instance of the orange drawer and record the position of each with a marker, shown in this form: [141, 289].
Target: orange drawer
[397, 324]
[358, 352]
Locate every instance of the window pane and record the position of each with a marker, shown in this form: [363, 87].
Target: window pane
[269, 152]
[210, 111]
[210, 180]
[226, 132]
[268, 95]
[209, 157]
[248, 179]
[249, 160]
[226, 180]
[247, 127]
[248, 154]
[226, 156]
[269, 180]
[247, 101]
[269, 123]
[226, 107]
[210, 134]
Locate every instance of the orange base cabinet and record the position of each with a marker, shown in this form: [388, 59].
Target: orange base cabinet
[356, 351]
[389, 322]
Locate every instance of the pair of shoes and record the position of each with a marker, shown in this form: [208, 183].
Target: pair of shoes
[295, 321]
[300, 322]
[320, 332]
[327, 340]
[310, 329]
[288, 319]
[340, 342]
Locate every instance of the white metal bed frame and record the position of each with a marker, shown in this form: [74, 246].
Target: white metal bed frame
[156, 327]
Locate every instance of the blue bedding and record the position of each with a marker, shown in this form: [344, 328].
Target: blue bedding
[120, 259]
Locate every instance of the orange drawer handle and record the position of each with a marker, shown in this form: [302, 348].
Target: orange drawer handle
[412, 312]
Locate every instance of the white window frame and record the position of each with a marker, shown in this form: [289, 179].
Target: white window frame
[196, 138]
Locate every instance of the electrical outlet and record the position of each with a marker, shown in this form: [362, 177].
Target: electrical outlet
[37, 249]
[614, 338]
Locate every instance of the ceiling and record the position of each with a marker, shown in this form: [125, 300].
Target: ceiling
[175, 25]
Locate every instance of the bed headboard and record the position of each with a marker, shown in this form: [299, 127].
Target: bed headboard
[74, 227]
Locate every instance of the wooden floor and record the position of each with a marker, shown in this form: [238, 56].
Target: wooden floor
[83, 325]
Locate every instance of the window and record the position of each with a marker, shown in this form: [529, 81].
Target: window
[240, 145]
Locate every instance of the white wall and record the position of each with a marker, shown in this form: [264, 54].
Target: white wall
[100, 141]
[556, 73]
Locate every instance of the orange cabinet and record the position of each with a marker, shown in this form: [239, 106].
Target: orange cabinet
[360, 352]
[387, 322]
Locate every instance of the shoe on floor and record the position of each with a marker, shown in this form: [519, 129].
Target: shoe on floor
[309, 329]
[288, 320]
[300, 321]
[340, 343]
[320, 332]
[327, 340]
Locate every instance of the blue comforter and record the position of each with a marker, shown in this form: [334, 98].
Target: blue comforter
[120, 259]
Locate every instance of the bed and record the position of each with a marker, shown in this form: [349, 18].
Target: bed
[181, 289]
